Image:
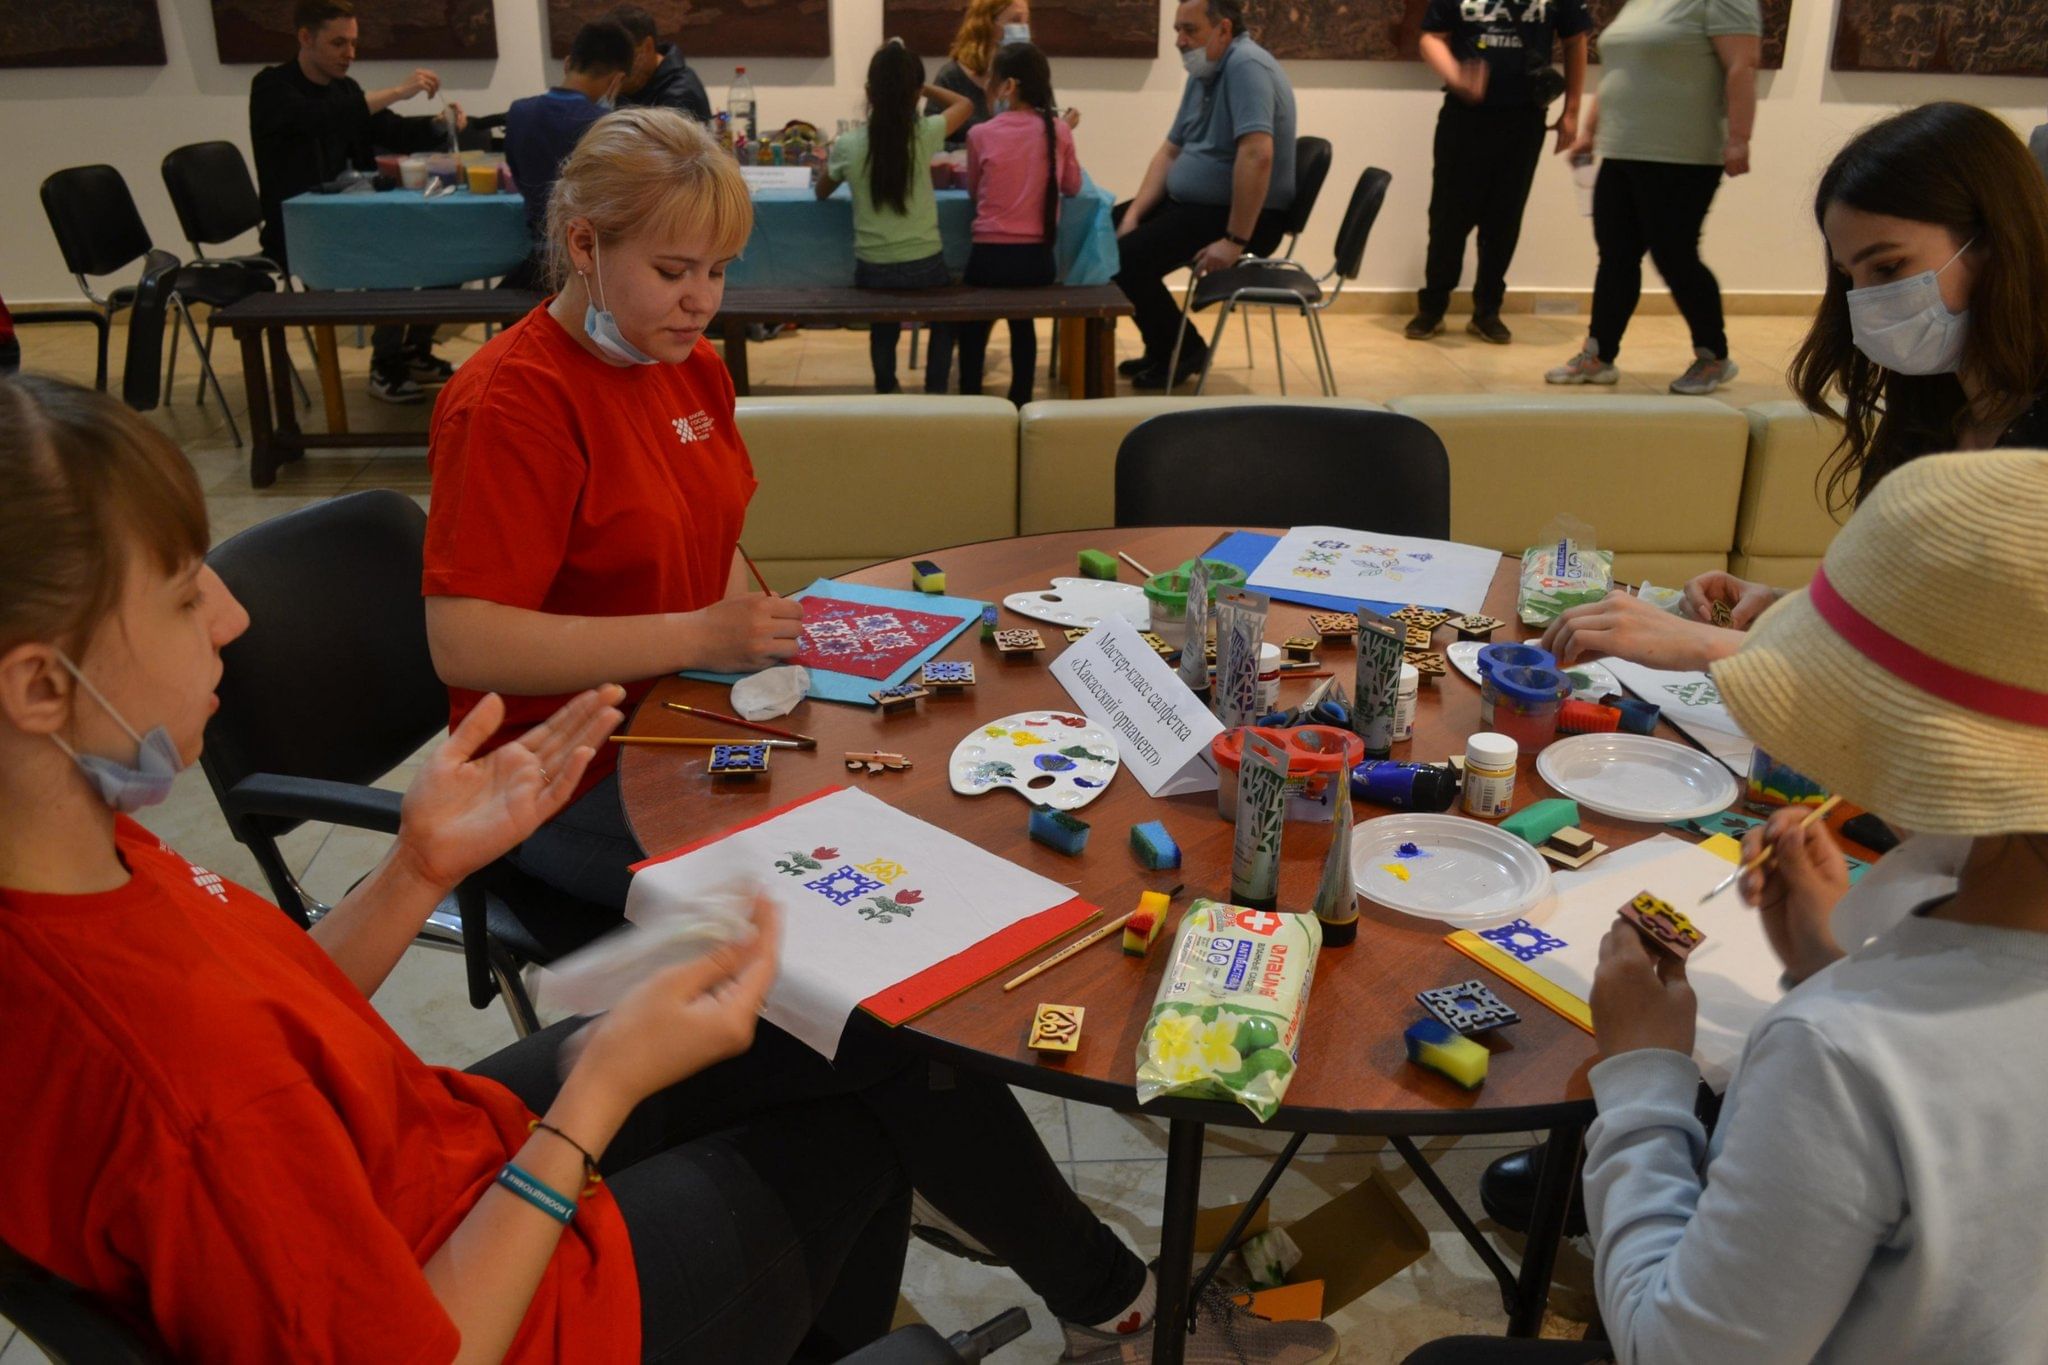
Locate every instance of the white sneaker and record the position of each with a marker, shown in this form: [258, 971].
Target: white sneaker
[1584, 368]
[1225, 1334]
[1706, 373]
[934, 1229]
[396, 388]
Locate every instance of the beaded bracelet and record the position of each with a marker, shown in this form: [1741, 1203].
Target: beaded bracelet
[592, 1178]
[554, 1204]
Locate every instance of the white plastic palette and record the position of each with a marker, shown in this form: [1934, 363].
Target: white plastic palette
[1590, 681]
[1635, 777]
[1083, 602]
[1050, 758]
[1459, 872]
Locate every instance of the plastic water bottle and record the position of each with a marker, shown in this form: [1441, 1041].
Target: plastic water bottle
[739, 102]
[1585, 174]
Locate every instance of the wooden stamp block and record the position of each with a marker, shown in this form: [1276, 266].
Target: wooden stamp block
[1427, 663]
[947, 675]
[1665, 927]
[1158, 645]
[1334, 625]
[1077, 633]
[1469, 1007]
[900, 698]
[1418, 638]
[1571, 847]
[1019, 641]
[1473, 626]
[1056, 1028]
[737, 760]
[1301, 649]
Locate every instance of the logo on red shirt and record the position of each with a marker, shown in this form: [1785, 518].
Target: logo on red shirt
[211, 882]
[695, 427]
[1264, 923]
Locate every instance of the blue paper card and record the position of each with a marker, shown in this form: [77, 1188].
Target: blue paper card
[828, 686]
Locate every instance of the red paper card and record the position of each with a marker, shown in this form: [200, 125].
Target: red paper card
[864, 640]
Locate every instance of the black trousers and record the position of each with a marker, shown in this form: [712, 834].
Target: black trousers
[1486, 159]
[1658, 207]
[1509, 1351]
[996, 265]
[1162, 244]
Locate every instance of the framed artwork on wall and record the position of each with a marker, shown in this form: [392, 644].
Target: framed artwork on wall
[1963, 37]
[723, 28]
[81, 33]
[1337, 30]
[1062, 28]
[444, 30]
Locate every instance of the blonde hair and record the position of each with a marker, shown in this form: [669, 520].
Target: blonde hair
[974, 46]
[648, 170]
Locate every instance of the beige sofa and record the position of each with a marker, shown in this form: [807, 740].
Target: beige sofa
[1674, 486]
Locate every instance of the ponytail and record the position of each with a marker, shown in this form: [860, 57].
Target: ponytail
[895, 79]
[1026, 65]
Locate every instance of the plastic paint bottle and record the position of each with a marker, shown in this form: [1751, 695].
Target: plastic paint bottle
[1490, 775]
[1404, 704]
[1404, 786]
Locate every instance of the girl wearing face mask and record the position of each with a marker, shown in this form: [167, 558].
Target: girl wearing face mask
[984, 30]
[1932, 336]
[212, 1132]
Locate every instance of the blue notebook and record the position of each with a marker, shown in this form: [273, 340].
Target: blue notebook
[827, 686]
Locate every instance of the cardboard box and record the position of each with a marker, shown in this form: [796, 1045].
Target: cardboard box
[1353, 1244]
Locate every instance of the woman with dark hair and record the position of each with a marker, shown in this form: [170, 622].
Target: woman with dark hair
[1932, 336]
[896, 242]
[1018, 165]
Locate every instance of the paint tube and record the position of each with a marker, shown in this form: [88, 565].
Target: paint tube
[1194, 645]
[1337, 897]
[1377, 691]
[1404, 786]
[1240, 630]
[1261, 816]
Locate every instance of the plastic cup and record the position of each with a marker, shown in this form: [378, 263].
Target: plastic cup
[482, 179]
[412, 173]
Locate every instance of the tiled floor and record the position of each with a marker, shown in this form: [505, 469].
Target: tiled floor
[1116, 1161]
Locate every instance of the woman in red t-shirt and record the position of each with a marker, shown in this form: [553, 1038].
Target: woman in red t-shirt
[211, 1130]
[589, 488]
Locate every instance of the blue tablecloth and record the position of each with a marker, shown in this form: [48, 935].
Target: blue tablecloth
[399, 240]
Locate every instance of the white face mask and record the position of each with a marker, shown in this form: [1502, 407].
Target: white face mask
[1905, 327]
[602, 328]
[1016, 33]
[1198, 62]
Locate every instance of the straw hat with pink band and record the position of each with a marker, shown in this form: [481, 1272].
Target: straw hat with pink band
[1911, 677]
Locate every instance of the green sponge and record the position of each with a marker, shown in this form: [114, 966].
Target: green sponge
[1442, 1049]
[1097, 564]
[1538, 822]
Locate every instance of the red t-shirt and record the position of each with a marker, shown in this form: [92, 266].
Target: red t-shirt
[208, 1127]
[568, 485]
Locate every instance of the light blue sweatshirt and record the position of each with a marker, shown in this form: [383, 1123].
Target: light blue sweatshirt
[1876, 1188]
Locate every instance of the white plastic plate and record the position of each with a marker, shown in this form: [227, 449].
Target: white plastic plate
[1083, 602]
[1050, 758]
[1635, 777]
[1464, 873]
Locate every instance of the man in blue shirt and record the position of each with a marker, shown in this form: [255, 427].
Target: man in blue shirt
[1216, 189]
[541, 130]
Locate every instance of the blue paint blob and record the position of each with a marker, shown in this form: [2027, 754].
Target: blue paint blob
[1086, 782]
[1055, 763]
[1410, 851]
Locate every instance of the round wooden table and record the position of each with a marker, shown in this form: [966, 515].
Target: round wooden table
[1354, 1076]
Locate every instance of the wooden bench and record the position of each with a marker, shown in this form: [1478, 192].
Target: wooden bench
[264, 318]
[1091, 347]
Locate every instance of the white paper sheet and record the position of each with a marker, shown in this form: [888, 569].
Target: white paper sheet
[835, 867]
[1163, 731]
[1692, 703]
[1377, 568]
[1734, 973]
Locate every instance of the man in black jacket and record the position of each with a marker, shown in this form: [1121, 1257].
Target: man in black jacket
[308, 122]
[660, 78]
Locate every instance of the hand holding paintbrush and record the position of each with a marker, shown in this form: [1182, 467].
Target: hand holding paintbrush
[1794, 874]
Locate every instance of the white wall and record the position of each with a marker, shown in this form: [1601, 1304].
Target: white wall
[1759, 238]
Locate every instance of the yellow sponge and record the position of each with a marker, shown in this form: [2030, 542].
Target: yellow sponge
[1441, 1048]
[1145, 923]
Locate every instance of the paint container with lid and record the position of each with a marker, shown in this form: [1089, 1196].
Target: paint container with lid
[1522, 703]
[1405, 786]
[1492, 657]
[1490, 775]
[1228, 751]
[1270, 659]
[1404, 704]
[412, 173]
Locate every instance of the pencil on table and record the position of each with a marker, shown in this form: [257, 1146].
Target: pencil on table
[804, 741]
[693, 742]
[1134, 563]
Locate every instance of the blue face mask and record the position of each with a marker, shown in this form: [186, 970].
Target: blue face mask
[126, 788]
[1016, 33]
[603, 329]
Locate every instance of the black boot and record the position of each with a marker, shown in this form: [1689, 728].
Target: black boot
[1507, 1191]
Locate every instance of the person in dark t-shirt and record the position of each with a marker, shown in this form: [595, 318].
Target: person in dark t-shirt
[541, 130]
[308, 122]
[1494, 57]
[660, 78]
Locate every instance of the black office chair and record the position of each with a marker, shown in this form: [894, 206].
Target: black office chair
[99, 231]
[1277, 284]
[215, 199]
[921, 1345]
[332, 687]
[64, 1322]
[141, 365]
[1267, 464]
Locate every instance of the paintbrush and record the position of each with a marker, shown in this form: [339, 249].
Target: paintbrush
[1085, 941]
[1819, 812]
[1134, 563]
[755, 570]
[801, 741]
[695, 743]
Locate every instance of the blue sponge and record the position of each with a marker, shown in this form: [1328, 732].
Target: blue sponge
[1154, 846]
[1058, 830]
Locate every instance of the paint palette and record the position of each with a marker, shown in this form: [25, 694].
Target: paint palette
[1050, 758]
[1083, 602]
[1635, 777]
[1446, 868]
[1590, 681]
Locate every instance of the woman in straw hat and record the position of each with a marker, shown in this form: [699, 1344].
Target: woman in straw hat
[1872, 1188]
[1930, 337]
